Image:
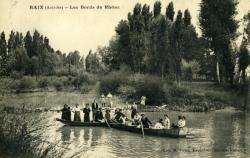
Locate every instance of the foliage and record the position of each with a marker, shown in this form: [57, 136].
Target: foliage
[43, 83]
[21, 136]
[219, 28]
[27, 82]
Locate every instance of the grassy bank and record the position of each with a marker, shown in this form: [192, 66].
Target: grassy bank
[190, 96]
[82, 82]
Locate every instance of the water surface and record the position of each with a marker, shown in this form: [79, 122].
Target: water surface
[214, 134]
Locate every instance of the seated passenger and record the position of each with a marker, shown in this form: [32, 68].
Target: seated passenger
[118, 115]
[99, 115]
[166, 122]
[145, 121]
[137, 119]
[182, 122]
[107, 115]
[159, 125]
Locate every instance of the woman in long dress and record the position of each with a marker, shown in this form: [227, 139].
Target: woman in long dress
[77, 113]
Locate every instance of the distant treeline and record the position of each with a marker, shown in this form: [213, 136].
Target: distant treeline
[33, 55]
[169, 46]
[146, 42]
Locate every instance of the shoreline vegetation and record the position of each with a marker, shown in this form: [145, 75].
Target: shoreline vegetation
[162, 95]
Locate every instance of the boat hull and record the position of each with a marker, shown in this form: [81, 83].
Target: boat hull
[174, 133]
[82, 124]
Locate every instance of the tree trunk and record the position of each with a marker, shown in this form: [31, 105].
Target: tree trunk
[218, 71]
[244, 76]
[162, 71]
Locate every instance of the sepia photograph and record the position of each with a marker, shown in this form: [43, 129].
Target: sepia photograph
[124, 78]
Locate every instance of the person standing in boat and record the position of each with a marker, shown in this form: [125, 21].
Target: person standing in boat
[166, 122]
[133, 110]
[94, 108]
[69, 114]
[65, 112]
[145, 121]
[86, 112]
[76, 111]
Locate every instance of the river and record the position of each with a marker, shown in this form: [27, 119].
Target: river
[224, 133]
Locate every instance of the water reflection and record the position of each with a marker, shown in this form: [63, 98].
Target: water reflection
[215, 135]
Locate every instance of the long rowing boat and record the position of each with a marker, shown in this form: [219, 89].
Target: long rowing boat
[83, 124]
[174, 132]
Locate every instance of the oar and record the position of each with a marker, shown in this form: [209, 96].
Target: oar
[107, 122]
[142, 129]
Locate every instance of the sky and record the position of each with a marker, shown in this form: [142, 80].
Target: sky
[82, 30]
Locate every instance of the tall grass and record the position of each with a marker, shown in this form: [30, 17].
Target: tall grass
[21, 136]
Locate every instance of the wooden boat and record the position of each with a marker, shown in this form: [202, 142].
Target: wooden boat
[174, 132]
[83, 124]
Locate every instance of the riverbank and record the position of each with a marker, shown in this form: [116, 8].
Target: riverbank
[197, 96]
[29, 84]
[126, 87]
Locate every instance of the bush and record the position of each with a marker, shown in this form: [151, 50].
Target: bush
[15, 84]
[79, 80]
[152, 88]
[126, 91]
[43, 83]
[16, 75]
[27, 82]
[58, 85]
[112, 81]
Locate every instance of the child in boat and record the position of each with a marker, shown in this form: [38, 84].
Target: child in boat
[181, 122]
[76, 110]
[159, 125]
[166, 122]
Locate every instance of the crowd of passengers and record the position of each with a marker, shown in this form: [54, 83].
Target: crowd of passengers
[128, 116]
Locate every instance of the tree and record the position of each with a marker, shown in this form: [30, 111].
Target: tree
[28, 44]
[157, 8]
[11, 42]
[218, 26]
[247, 26]
[187, 17]
[244, 59]
[3, 55]
[170, 11]
[177, 44]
